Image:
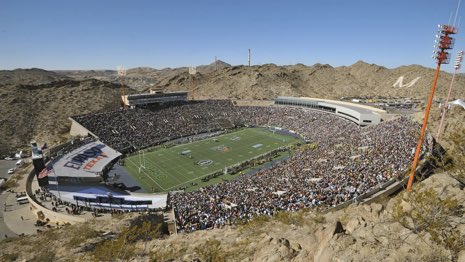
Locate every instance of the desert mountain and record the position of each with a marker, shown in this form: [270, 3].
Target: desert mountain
[38, 102]
[360, 232]
[29, 76]
[218, 65]
[41, 111]
[268, 81]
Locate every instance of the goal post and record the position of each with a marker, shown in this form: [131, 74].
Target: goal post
[141, 160]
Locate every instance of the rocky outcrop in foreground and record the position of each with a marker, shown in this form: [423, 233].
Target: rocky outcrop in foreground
[361, 232]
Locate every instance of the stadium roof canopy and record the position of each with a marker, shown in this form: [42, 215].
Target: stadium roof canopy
[360, 114]
[87, 161]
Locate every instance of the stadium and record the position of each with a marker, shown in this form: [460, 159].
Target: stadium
[216, 163]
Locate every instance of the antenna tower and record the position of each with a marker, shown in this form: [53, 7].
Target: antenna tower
[121, 75]
[443, 42]
[192, 72]
[249, 57]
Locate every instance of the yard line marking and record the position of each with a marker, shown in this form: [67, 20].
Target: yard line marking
[147, 175]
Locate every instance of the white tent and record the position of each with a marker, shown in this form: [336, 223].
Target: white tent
[458, 102]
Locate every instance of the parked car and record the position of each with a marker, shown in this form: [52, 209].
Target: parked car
[20, 162]
[11, 171]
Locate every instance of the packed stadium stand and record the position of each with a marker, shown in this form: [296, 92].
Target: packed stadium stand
[344, 161]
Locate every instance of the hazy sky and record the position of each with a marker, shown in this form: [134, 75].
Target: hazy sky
[102, 34]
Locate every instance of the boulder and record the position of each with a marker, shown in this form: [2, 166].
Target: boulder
[324, 236]
[296, 246]
[376, 208]
[362, 221]
[344, 241]
[352, 225]
[274, 250]
[338, 228]
[461, 256]
[326, 255]
[284, 242]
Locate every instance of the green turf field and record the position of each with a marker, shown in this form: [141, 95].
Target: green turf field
[170, 168]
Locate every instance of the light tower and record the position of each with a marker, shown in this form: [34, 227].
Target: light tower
[121, 75]
[443, 42]
[458, 61]
[249, 57]
[192, 72]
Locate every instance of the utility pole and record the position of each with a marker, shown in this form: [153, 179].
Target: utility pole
[443, 43]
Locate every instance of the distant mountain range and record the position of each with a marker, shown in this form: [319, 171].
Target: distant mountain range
[267, 81]
[36, 103]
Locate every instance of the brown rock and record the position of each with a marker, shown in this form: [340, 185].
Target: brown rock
[338, 228]
[323, 237]
[296, 246]
[284, 242]
[376, 208]
[352, 225]
[461, 256]
[367, 208]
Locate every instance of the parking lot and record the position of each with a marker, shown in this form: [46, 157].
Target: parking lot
[4, 166]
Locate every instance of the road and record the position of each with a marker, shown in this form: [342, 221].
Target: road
[4, 230]
[4, 166]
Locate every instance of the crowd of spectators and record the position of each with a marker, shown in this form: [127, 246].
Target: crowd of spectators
[344, 162]
[128, 130]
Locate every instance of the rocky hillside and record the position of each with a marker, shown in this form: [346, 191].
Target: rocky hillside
[34, 76]
[31, 111]
[384, 231]
[38, 102]
[269, 80]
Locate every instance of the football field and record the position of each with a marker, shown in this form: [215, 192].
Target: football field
[167, 169]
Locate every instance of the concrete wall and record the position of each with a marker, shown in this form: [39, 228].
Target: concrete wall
[373, 109]
[53, 216]
[253, 102]
[78, 130]
[37, 208]
[359, 114]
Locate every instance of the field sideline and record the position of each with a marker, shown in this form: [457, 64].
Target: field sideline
[167, 169]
